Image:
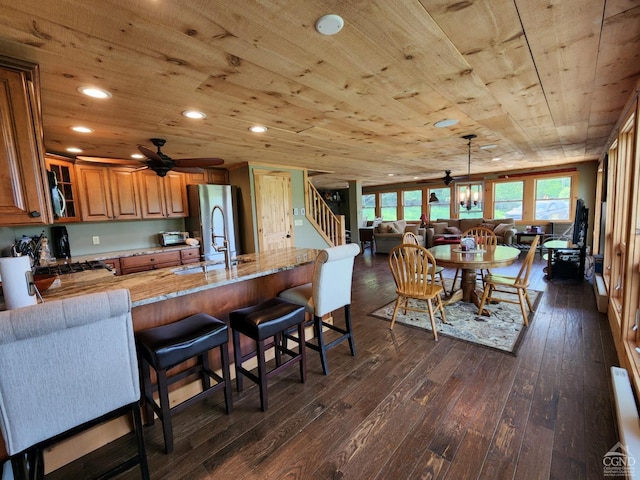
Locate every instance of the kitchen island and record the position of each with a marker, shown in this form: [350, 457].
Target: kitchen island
[169, 294]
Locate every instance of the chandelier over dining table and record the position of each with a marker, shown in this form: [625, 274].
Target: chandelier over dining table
[467, 199]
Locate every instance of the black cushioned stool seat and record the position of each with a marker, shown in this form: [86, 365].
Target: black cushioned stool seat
[168, 345]
[261, 322]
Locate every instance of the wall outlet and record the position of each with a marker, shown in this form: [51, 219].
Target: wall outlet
[295, 211]
[96, 240]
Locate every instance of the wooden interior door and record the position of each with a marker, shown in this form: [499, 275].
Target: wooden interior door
[273, 210]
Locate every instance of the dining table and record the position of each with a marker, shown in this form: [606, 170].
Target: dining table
[482, 257]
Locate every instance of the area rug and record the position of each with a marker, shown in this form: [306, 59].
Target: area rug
[502, 331]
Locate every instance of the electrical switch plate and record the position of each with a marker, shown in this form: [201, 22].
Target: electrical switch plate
[295, 211]
[297, 223]
[302, 211]
[96, 240]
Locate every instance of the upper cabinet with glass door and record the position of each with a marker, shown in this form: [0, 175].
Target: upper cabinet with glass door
[63, 187]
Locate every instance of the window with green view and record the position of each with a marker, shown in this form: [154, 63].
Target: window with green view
[389, 205]
[553, 199]
[442, 207]
[368, 207]
[411, 205]
[507, 200]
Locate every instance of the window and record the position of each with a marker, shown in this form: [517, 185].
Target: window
[389, 206]
[411, 205]
[441, 208]
[476, 194]
[369, 206]
[553, 199]
[507, 200]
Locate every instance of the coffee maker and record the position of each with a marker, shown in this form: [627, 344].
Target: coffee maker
[60, 243]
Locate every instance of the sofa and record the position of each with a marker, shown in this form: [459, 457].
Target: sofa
[387, 235]
[504, 228]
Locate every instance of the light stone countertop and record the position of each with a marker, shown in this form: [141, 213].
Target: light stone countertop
[162, 284]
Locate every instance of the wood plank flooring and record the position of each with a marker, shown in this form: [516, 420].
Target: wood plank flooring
[407, 407]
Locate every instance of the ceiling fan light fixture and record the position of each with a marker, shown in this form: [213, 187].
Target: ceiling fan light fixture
[258, 129]
[329, 24]
[81, 129]
[195, 114]
[74, 150]
[95, 92]
[447, 177]
[447, 122]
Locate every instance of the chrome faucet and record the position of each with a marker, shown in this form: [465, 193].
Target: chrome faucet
[225, 241]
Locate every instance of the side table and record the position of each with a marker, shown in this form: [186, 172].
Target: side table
[365, 235]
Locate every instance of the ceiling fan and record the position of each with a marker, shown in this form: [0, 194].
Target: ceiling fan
[161, 163]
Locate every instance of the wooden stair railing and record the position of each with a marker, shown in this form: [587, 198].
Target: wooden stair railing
[329, 225]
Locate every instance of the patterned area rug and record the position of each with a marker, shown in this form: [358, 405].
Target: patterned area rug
[503, 330]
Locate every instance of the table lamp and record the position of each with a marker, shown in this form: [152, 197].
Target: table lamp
[423, 220]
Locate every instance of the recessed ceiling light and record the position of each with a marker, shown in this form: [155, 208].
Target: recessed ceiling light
[488, 147]
[81, 129]
[447, 122]
[194, 114]
[258, 129]
[94, 92]
[390, 174]
[329, 24]
[416, 178]
[496, 159]
[137, 155]
[74, 150]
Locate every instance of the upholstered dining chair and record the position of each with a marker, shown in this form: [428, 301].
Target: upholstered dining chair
[483, 237]
[512, 285]
[67, 365]
[329, 290]
[412, 239]
[414, 271]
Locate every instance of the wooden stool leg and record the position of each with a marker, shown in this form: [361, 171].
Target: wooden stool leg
[321, 348]
[226, 375]
[203, 360]
[302, 353]
[147, 391]
[165, 410]
[262, 375]
[347, 319]
[237, 355]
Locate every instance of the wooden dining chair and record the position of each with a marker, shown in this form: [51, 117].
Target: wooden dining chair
[483, 237]
[414, 270]
[512, 285]
[412, 239]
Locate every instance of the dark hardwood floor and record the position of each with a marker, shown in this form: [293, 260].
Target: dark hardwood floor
[407, 407]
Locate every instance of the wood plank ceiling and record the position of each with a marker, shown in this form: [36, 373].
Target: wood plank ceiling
[545, 81]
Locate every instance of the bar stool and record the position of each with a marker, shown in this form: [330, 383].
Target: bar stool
[167, 346]
[260, 322]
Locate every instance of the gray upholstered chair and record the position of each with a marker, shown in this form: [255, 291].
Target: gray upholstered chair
[67, 365]
[329, 290]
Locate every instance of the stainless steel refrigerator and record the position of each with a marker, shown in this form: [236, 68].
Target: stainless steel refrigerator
[212, 220]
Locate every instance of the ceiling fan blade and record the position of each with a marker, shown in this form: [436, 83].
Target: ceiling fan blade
[198, 162]
[150, 154]
[187, 169]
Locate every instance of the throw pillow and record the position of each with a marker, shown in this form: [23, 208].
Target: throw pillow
[412, 227]
[392, 228]
[490, 226]
[453, 231]
[440, 228]
[501, 228]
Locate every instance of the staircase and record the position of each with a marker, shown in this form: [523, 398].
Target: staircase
[329, 225]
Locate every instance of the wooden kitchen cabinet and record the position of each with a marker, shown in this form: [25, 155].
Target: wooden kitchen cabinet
[24, 191]
[114, 264]
[190, 255]
[163, 197]
[216, 176]
[65, 173]
[152, 261]
[107, 193]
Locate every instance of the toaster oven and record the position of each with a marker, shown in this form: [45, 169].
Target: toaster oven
[173, 238]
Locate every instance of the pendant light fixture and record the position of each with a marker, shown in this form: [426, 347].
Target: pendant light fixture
[465, 198]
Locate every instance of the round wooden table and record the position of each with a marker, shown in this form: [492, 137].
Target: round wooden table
[469, 262]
